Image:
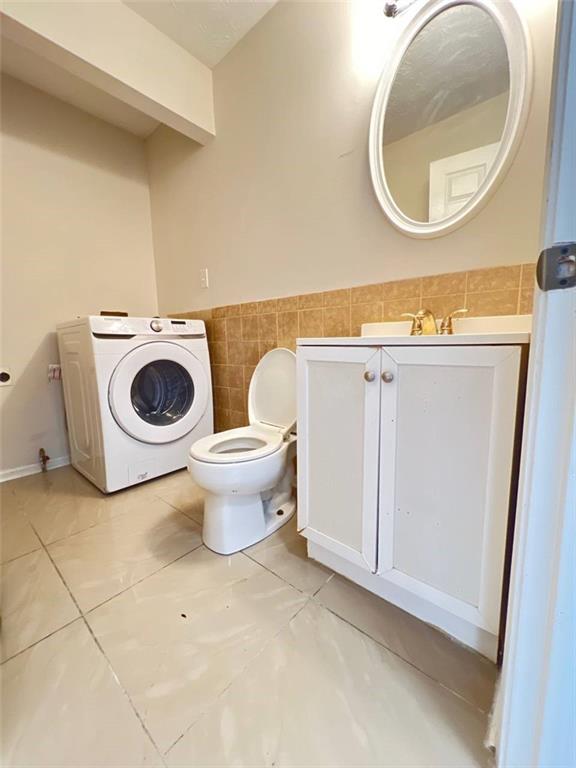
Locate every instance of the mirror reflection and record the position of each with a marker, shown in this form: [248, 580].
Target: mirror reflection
[446, 113]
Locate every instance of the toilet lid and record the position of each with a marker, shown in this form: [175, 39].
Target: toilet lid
[272, 393]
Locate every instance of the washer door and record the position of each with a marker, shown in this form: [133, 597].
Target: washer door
[158, 392]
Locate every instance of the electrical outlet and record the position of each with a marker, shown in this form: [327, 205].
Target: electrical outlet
[204, 278]
[6, 379]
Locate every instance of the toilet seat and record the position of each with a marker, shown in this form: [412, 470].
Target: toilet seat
[271, 411]
[237, 445]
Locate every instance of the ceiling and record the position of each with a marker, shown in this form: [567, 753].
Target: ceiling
[458, 60]
[208, 29]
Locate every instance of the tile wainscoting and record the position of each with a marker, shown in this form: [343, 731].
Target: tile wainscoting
[240, 334]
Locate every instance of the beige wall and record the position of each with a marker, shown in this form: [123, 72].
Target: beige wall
[76, 238]
[407, 161]
[281, 201]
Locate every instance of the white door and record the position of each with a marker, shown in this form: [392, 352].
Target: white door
[447, 440]
[338, 426]
[537, 707]
[454, 180]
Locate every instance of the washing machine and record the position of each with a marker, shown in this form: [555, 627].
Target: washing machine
[138, 393]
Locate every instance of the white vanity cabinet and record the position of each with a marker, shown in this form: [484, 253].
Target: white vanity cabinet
[405, 463]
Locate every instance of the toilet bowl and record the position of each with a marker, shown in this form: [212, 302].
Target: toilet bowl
[247, 473]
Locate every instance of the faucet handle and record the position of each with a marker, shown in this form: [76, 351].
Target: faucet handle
[416, 329]
[446, 329]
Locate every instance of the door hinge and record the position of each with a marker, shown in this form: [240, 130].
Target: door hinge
[556, 267]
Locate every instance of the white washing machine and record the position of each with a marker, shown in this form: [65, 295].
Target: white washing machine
[138, 393]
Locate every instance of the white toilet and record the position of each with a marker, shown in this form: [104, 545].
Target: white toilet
[248, 473]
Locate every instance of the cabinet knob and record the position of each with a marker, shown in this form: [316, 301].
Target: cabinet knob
[387, 377]
[369, 375]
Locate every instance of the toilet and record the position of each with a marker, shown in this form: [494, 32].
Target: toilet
[247, 473]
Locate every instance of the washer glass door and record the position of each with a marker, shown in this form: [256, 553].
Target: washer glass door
[158, 392]
[162, 392]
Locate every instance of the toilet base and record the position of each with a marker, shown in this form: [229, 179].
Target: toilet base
[232, 523]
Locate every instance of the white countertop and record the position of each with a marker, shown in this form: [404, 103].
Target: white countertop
[461, 339]
[499, 329]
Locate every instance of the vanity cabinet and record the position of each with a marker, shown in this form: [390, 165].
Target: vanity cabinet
[405, 463]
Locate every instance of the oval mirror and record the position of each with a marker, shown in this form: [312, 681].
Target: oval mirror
[448, 113]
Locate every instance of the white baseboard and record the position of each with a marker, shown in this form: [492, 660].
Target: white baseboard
[32, 469]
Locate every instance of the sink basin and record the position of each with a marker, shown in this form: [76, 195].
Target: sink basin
[463, 326]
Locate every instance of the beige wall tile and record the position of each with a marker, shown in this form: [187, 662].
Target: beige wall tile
[218, 352]
[366, 294]
[444, 285]
[336, 321]
[310, 323]
[250, 328]
[364, 313]
[219, 375]
[526, 301]
[402, 289]
[528, 275]
[392, 310]
[443, 305]
[237, 401]
[268, 326]
[250, 308]
[218, 329]
[494, 279]
[219, 312]
[243, 352]
[234, 376]
[221, 398]
[248, 373]
[233, 329]
[288, 343]
[287, 304]
[237, 419]
[236, 351]
[492, 303]
[310, 300]
[266, 346]
[287, 325]
[221, 420]
[339, 298]
[265, 307]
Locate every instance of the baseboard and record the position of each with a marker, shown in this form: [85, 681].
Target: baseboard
[32, 469]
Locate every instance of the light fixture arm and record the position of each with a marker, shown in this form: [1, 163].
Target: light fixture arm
[392, 9]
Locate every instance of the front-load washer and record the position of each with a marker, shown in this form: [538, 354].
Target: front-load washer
[137, 392]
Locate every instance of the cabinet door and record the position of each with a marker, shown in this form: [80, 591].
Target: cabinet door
[447, 438]
[338, 434]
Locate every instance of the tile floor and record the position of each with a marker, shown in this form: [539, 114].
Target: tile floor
[125, 642]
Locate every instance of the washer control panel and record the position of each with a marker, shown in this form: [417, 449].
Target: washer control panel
[146, 326]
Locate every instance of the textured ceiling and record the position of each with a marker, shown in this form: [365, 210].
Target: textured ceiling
[207, 30]
[458, 60]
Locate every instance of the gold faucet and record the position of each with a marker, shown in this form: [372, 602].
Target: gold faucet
[423, 323]
[446, 328]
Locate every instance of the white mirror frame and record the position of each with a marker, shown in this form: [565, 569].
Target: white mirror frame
[517, 40]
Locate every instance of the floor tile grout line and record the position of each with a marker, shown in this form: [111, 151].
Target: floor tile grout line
[144, 578]
[123, 689]
[40, 640]
[302, 591]
[82, 617]
[240, 674]
[18, 557]
[398, 656]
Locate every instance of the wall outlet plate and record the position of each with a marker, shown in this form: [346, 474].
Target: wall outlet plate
[6, 379]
